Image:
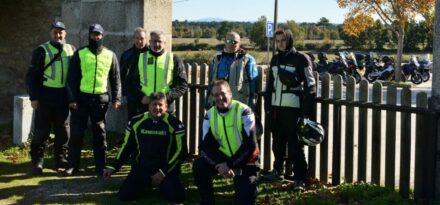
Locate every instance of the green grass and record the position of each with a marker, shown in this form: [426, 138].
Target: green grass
[17, 187]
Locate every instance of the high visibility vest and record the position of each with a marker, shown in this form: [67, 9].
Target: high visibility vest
[56, 75]
[95, 70]
[156, 73]
[227, 129]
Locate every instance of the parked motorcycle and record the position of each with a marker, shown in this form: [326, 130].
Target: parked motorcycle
[387, 73]
[411, 72]
[425, 65]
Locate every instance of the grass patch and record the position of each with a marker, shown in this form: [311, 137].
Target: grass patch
[17, 187]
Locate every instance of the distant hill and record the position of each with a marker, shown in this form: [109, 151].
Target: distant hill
[209, 19]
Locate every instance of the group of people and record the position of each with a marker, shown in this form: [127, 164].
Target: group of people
[86, 81]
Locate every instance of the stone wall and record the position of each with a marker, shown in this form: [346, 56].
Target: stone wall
[24, 25]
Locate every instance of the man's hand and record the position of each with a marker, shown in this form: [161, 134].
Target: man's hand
[35, 104]
[108, 173]
[224, 170]
[157, 179]
[145, 100]
[73, 106]
[116, 105]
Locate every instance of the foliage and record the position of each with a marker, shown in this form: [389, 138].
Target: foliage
[392, 12]
[257, 35]
[225, 27]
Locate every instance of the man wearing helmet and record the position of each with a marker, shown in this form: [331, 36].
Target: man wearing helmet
[289, 96]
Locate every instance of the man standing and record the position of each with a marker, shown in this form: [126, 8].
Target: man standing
[46, 82]
[289, 97]
[129, 61]
[160, 71]
[157, 140]
[236, 67]
[228, 147]
[91, 69]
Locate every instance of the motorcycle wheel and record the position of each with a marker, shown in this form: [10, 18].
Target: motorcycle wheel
[370, 78]
[425, 76]
[416, 78]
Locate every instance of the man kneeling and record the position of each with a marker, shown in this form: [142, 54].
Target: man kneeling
[156, 141]
[228, 147]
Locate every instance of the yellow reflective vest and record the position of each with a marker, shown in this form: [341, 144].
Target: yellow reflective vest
[56, 75]
[95, 70]
[156, 73]
[227, 129]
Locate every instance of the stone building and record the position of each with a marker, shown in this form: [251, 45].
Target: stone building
[25, 24]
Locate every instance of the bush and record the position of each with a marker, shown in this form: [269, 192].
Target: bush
[192, 47]
[310, 46]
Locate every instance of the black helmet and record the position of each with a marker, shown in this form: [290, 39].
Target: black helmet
[310, 132]
[386, 59]
[322, 56]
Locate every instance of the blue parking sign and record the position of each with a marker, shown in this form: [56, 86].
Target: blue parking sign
[269, 29]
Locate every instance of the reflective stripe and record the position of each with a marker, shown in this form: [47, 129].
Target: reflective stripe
[217, 134]
[237, 133]
[145, 69]
[167, 63]
[46, 45]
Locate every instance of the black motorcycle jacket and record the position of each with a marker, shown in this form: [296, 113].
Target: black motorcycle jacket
[155, 145]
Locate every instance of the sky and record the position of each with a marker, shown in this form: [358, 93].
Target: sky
[250, 10]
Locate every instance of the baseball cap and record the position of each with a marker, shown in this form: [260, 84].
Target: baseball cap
[96, 28]
[58, 24]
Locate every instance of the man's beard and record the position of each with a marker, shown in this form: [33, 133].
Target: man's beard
[95, 46]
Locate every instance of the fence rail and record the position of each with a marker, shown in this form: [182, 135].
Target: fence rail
[392, 141]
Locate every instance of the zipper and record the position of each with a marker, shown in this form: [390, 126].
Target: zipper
[227, 139]
[96, 68]
[62, 69]
[155, 71]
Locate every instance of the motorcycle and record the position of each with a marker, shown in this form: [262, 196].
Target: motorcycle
[425, 65]
[345, 64]
[411, 72]
[387, 73]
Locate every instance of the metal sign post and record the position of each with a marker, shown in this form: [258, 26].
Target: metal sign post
[269, 34]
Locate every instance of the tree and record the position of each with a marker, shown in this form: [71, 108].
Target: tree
[225, 27]
[323, 22]
[257, 34]
[380, 35]
[297, 31]
[389, 11]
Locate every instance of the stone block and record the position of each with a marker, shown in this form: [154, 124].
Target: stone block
[116, 120]
[23, 115]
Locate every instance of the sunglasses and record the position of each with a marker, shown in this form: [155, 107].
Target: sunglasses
[231, 42]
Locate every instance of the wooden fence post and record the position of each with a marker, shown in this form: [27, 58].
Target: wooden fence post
[323, 158]
[336, 156]
[390, 133]
[405, 144]
[376, 134]
[363, 118]
[349, 133]
[423, 187]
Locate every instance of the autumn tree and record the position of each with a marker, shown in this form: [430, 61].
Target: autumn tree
[389, 11]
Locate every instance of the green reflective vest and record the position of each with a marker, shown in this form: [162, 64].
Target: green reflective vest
[156, 73]
[55, 76]
[95, 70]
[227, 129]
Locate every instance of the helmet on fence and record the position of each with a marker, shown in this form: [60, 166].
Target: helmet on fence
[310, 132]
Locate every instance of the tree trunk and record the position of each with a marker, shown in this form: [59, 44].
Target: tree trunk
[398, 63]
[435, 93]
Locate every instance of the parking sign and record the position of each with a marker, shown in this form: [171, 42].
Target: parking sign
[269, 29]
